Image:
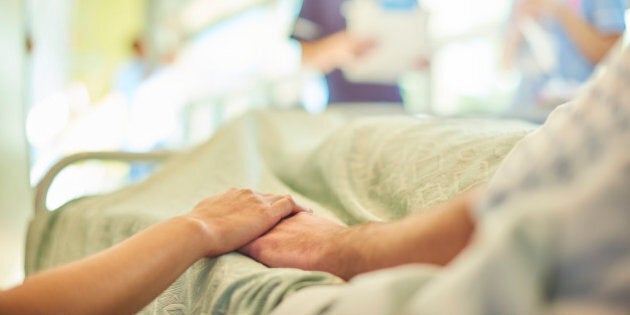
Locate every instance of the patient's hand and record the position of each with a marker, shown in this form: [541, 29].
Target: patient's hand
[305, 241]
[309, 242]
[236, 217]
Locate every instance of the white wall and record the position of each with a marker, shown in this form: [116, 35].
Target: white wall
[15, 192]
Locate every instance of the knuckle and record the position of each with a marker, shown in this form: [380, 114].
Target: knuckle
[203, 202]
[283, 201]
[246, 191]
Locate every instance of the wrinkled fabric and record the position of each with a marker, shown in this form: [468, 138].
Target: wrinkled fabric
[351, 170]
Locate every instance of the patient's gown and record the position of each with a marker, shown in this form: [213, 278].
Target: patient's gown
[553, 231]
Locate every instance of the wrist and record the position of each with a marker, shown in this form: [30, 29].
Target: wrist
[356, 250]
[345, 256]
[201, 237]
[308, 54]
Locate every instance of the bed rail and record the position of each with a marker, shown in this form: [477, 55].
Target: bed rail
[41, 190]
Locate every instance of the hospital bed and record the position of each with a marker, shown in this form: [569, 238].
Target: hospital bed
[348, 167]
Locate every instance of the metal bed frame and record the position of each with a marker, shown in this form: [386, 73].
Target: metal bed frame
[41, 190]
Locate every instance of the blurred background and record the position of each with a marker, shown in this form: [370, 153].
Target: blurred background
[144, 75]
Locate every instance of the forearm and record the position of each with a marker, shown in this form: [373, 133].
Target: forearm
[512, 43]
[590, 41]
[120, 280]
[333, 51]
[432, 237]
[307, 52]
[126, 277]
[316, 56]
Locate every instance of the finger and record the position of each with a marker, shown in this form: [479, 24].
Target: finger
[271, 198]
[251, 249]
[258, 249]
[285, 207]
[296, 206]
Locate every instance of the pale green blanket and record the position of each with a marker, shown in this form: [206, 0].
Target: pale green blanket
[351, 170]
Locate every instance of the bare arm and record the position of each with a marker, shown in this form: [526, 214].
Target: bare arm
[333, 51]
[590, 41]
[512, 43]
[309, 242]
[126, 277]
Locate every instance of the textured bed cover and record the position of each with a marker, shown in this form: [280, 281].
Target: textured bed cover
[349, 169]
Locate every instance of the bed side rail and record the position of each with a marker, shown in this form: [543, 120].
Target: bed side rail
[41, 190]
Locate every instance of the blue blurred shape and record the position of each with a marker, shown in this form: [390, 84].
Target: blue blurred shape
[398, 4]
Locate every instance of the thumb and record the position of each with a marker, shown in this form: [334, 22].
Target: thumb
[286, 206]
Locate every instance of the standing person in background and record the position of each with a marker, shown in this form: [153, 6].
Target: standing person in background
[557, 44]
[326, 46]
[135, 71]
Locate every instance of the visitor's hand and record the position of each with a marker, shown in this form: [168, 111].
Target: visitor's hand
[334, 51]
[308, 242]
[237, 216]
[422, 63]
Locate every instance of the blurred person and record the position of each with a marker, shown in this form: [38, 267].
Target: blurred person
[327, 46]
[129, 79]
[557, 44]
[132, 75]
[128, 276]
[135, 71]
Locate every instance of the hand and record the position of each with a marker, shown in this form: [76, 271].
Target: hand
[305, 241]
[126, 277]
[308, 242]
[334, 51]
[236, 217]
[536, 8]
[422, 63]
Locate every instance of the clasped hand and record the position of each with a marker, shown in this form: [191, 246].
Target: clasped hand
[272, 229]
[236, 217]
